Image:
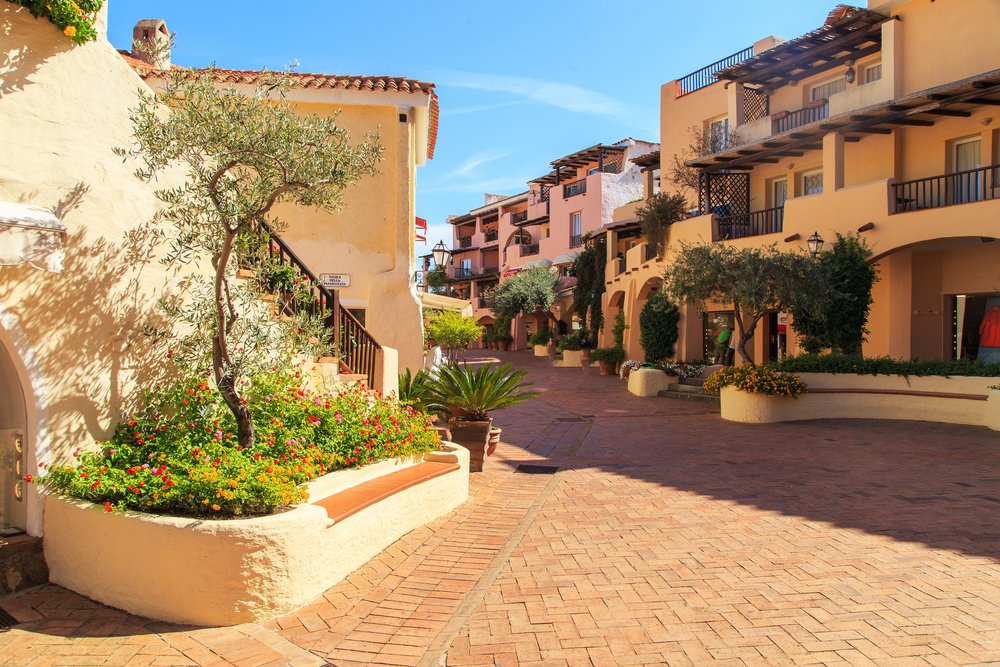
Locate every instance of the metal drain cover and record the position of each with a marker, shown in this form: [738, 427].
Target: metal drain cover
[536, 470]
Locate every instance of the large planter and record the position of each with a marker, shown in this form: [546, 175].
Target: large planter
[541, 350]
[951, 400]
[607, 367]
[648, 382]
[572, 358]
[222, 572]
[474, 436]
[585, 360]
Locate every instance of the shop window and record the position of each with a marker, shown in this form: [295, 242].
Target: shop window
[976, 327]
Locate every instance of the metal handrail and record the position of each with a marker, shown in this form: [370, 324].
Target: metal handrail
[358, 349]
[960, 187]
[755, 223]
[529, 249]
[801, 117]
[464, 241]
[491, 235]
[705, 76]
[517, 217]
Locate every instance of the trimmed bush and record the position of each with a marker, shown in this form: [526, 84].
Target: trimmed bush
[658, 327]
[614, 355]
[852, 363]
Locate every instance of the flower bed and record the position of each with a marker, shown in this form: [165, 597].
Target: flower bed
[179, 455]
[74, 17]
[755, 380]
[222, 572]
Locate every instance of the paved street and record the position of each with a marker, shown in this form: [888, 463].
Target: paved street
[666, 536]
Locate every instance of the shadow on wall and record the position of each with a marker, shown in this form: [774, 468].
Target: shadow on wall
[18, 61]
[97, 328]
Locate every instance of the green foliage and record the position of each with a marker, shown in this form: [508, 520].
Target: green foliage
[474, 393]
[530, 290]
[614, 355]
[658, 322]
[501, 329]
[180, 454]
[755, 380]
[452, 330]
[832, 310]
[74, 17]
[754, 280]
[619, 329]
[415, 391]
[854, 363]
[540, 337]
[589, 289]
[243, 153]
[657, 214]
[435, 280]
[572, 342]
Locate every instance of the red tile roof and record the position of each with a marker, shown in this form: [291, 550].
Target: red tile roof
[386, 84]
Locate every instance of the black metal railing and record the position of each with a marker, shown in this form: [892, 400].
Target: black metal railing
[491, 234]
[463, 272]
[465, 242]
[706, 75]
[794, 119]
[348, 338]
[485, 302]
[756, 223]
[488, 270]
[575, 240]
[961, 187]
[649, 252]
[574, 188]
[529, 249]
[518, 217]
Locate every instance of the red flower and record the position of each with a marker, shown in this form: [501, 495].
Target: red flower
[28, 478]
[107, 507]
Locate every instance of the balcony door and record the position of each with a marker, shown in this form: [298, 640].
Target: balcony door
[575, 229]
[779, 193]
[966, 183]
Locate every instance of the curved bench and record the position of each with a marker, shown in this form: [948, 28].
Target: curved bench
[341, 505]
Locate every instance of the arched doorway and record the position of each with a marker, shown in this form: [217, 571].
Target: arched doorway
[487, 323]
[14, 457]
[649, 288]
[616, 305]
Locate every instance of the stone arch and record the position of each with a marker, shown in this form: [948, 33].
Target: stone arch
[615, 304]
[517, 237]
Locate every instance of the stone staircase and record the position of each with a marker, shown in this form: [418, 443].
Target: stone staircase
[689, 388]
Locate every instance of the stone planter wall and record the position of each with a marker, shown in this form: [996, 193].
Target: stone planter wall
[224, 572]
[571, 359]
[541, 350]
[648, 382]
[957, 400]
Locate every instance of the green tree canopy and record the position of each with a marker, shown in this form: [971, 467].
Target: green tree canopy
[657, 214]
[526, 293]
[658, 322]
[753, 280]
[243, 154]
[452, 330]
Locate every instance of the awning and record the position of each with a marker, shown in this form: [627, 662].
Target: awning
[31, 235]
[430, 301]
[566, 258]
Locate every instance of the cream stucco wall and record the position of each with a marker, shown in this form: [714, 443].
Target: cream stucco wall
[77, 338]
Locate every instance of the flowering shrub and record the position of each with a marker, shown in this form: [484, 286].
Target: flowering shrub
[627, 367]
[681, 370]
[74, 17]
[755, 380]
[180, 454]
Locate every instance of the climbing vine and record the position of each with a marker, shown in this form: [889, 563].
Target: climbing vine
[74, 17]
[589, 269]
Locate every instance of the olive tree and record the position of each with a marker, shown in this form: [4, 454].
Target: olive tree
[754, 280]
[243, 154]
[528, 292]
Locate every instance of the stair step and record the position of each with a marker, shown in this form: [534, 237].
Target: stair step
[688, 388]
[688, 395]
[245, 274]
[352, 378]
[692, 382]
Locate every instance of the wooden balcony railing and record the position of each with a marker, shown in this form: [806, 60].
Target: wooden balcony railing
[961, 187]
[757, 223]
[348, 338]
[529, 249]
[519, 217]
[575, 188]
[491, 235]
[789, 120]
[706, 75]
[465, 242]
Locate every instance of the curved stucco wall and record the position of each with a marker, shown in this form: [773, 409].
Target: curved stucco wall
[206, 572]
[760, 409]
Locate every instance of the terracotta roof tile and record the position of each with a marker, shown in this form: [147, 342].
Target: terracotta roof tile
[388, 84]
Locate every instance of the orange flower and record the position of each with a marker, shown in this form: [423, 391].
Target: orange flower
[70, 31]
[216, 508]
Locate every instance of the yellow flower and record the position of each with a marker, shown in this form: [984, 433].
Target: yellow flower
[216, 508]
[70, 31]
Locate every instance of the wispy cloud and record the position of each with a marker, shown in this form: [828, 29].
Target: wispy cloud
[471, 164]
[461, 111]
[552, 93]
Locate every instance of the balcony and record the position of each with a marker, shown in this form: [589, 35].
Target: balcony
[706, 75]
[529, 249]
[520, 216]
[484, 302]
[649, 253]
[576, 240]
[464, 272]
[756, 223]
[783, 121]
[575, 188]
[491, 235]
[465, 242]
[961, 187]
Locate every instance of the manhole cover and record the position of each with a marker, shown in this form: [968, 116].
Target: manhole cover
[536, 470]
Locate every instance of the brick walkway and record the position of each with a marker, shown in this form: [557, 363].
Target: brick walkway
[666, 537]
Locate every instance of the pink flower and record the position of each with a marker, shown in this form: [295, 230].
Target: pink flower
[218, 435]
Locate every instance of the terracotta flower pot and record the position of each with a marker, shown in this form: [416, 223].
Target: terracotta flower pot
[585, 360]
[493, 441]
[474, 436]
[607, 367]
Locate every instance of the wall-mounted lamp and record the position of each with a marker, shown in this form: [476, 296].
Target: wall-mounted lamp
[815, 243]
[850, 73]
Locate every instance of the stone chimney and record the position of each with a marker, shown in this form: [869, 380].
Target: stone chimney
[151, 43]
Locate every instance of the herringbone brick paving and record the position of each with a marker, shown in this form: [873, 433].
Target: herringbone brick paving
[667, 537]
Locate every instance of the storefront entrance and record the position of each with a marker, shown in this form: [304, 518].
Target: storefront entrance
[975, 327]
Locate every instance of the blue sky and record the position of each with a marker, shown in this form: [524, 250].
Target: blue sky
[521, 83]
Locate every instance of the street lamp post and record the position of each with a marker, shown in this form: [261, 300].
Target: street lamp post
[440, 253]
[815, 243]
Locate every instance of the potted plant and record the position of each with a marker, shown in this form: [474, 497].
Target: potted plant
[469, 395]
[569, 345]
[540, 341]
[587, 345]
[608, 358]
[505, 340]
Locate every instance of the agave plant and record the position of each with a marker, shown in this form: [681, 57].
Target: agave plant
[473, 393]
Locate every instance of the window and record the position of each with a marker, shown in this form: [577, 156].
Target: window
[823, 91]
[465, 268]
[779, 192]
[717, 135]
[967, 183]
[812, 182]
[575, 229]
[872, 73]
